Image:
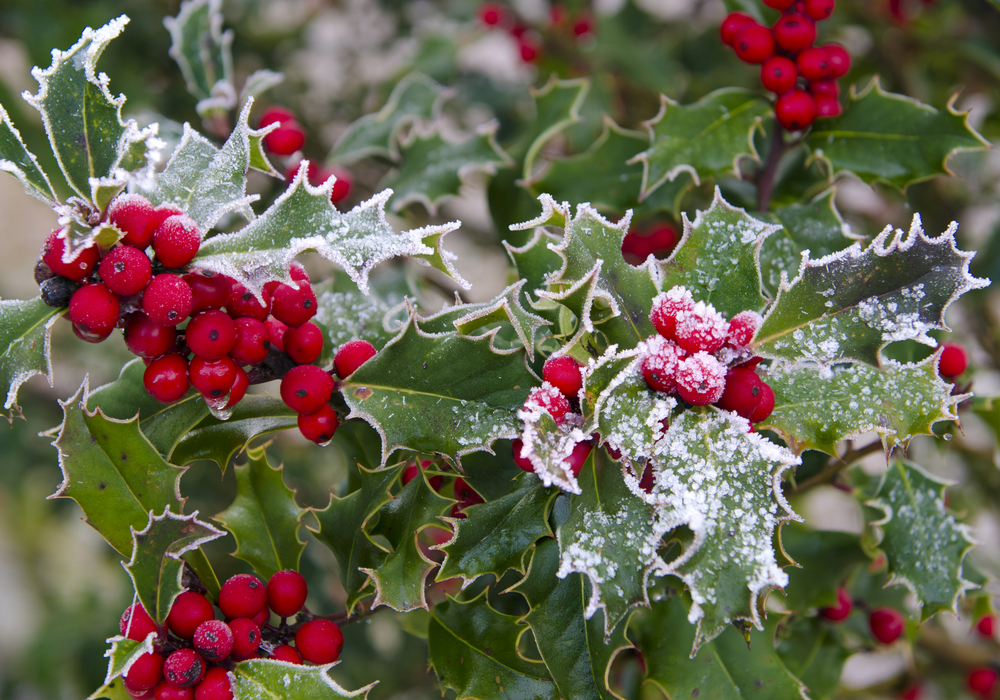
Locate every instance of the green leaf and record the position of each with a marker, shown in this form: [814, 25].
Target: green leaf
[706, 138]
[924, 543]
[826, 558]
[420, 388]
[494, 536]
[218, 440]
[718, 258]
[401, 581]
[416, 99]
[82, 119]
[892, 138]
[433, 168]
[726, 668]
[342, 528]
[26, 339]
[724, 484]
[16, 159]
[473, 651]
[557, 108]
[573, 648]
[122, 653]
[849, 305]
[817, 409]
[349, 314]
[204, 53]
[264, 519]
[810, 650]
[112, 471]
[257, 679]
[157, 566]
[535, 261]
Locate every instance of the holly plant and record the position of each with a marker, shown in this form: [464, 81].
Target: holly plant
[589, 481]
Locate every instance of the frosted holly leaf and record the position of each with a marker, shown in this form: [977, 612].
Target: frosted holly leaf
[557, 108]
[401, 580]
[25, 337]
[416, 99]
[611, 537]
[349, 314]
[924, 543]
[706, 139]
[16, 159]
[455, 396]
[259, 82]
[892, 138]
[82, 119]
[433, 168]
[849, 305]
[303, 219]
[256, 679]
[535, 262]
[121, 655]
[718, 258]
[204, 53]
[724, 484]
[573, 647]
[207, 182]
[547, 445]
[818, 409]
[157, 566]
[816, 226]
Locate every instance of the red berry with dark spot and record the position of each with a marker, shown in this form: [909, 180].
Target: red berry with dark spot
[814, 63]
[212, 378]
[320, 426]
[176, 241]
[953, 360]
[819, 9]
[246, 637]
[213, 639]
[303, 344]
[252, 341]
[239, 388]
[985, 627]
[465, 494]
[766, 405]
[742, 393]
[94, 308]
[286, 139]
[563, 373]
[167, 299]
[523, 463]
[292, 306]
[754, 43]
[794, 32]
[701, 379]
[731, 26]
[209, 290]
[145, 672]
[319, 641]
[134, 216]
[982, 680]
[274, 114]
[306, 389]
[188, 611]
[183, 668]
[286, 592]
[352, 355]
[136, 624]
[76, 269]
[887, 624]
[827, 107]
[286, 652]
[165, 691]
[779, 74]
[841, 610]
[166, 378]
[242, 596]
[211, 334]
[839, 59]
[125, 270]
[659, 367]
[795, 110]
[214, 686]
[243, 302]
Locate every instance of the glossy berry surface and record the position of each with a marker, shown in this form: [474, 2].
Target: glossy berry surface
[731, 26]
[779, 74]
[303, 344]
[795, 110]
[276, 113]
[841, 610]
[319, 641]
[165, 691]
[766, 405]
[779, 4]
[213, 640]
[239, 388]
[986, 626]
[839, 60]
[742, 393]
[77, 269]
[813, 64]
[563, 373]
[242, 595]
[523, 463]
[286, 592]
[754, 43]
[176, 241]
[145, 672]
[246, 637]
[183, 668]
[342, 186]
[827, 107]
[134, 216]
[212, 378]
[319, 427]
[286, 139]
[292, 306]
[94, 308]
[886, 624]
[953, 361]
[209, 290]
[306, 389]
[188, 611]
[136, 624]
[287, 653]
[352, 355]
[252, 341]
[243, 302]
[125, 270]
[214, 686]
[166, 378]
[167, 299]
[578, 457]
[211, 334]
[794, 32]
[819, 9]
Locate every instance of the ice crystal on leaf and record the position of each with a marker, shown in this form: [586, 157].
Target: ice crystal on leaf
[549, 436]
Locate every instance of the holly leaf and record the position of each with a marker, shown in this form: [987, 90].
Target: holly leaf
[123, 653]
[342, 528]
[892, 138]
[451, 381]
[157, 565]
[112, 471]
[811, 651]
[204, 53]
[726, 670]
[349, 314]
[416, 99]
[494, 536]
[401, 581]
[825, 559]
[557, 108]
[264, 518]
[535, 261]
[706, 139]
[473, 651]
[724, 484]
[268, 678]
[612, 537]
[924, 543]
[433, 168]
[82, 119]
[849, 305]
[718, 258]
[16, 159]
[573, 648]
[818, 409]
[26, 339]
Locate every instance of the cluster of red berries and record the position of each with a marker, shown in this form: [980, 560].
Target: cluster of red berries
[193, 651]
[657, 239]
[803, 76]
[887, 624]
[288, 140]
[495, 15]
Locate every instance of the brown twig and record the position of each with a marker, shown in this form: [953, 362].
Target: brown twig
[768, 173]
[835, 466]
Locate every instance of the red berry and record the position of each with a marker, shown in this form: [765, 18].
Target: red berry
[262, 618]
[742, 393]
[982, 680]
[352, 355]
[841, 610]
[167, 299]
[252, 341]
[165, 691]
[136, 624]
[286, 592]
[701, 379]
[209, 290]
[276, 333]
[276, 114]
[212, 378]
[211, 334]
[795, 110]
[303, 344]
[164, 212]
[840, 60]
[659, 242]
[411, 470]
[213, 639]
[794, 32]
[286, 652]
[341, 186]
[78, 268]
[214, 686]
[187, 612]
[292, 306]
[985, 627]
[766, 405]
[145, 672]
[742, 328]
[306, 389]
[242, 596]
[286, 139]
[830, 88]
[319, 641]
[166, 378]
[779, 74]
[814, 63]
[311, 174]
[94, 308]
[563, 373]
[779, 4]
[953, 360]
[298, 273]
[659, 367]
[819, 9]
[176, 241]
[731, 26]
[547, 398]
[583, 26]
[320, 426]
[183, 668]
[239, 388]
[578, 456]
[242, 302]
[701, 329]
[465, 494]
[125, 270]
[134, 216]
[529, 50]
[827, 107]
[911, 692]
[523, 463]
[887, 624]
[754, 43]
[491, 14]
[246, 636]
[667, 306]
[146, 338]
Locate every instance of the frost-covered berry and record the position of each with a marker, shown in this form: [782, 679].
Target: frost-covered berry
[701, 379]
[563, 373]
[523, 463]
[754, 43]
[165, 691]
[166, 378]
[292, 306]
[659, 366]
[286, 592]
[742, 328]
[213, 639]
[95, 309]
[167, 299]
[242, 595]
[134, 216]
[176, 241]
[982, 680]
[320, 426]
[252, 341]
[547, 398]
[731, 26]
[212, 378]
[742, 393]
[214, 686]
[125, 270]
[303, 344]
[286, 652]
[701, 329]
[779, 74]
[953, 360]
[794, 32]
[319, 641]
[887, 624]
[578, 456]
[985, 626]
[78, 268]
[766, 405]
[145, 672]
[136, 624]
[183, 668]
[306, 389]
[246, 637]
[666, 308]
[211, 334]
[209, 290]
[188, 611]
[352, 355]
[243, 302]
[841, 610]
